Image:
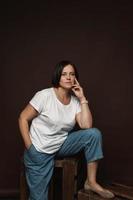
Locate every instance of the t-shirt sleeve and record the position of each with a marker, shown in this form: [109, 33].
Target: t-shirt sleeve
[38, 101]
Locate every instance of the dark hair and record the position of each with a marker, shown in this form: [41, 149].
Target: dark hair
[58, 71]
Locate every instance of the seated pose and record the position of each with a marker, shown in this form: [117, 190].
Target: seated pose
[46, 126]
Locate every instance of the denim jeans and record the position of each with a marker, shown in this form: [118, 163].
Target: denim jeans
[39, 166]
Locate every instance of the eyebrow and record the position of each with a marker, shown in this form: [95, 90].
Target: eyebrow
[68, 72]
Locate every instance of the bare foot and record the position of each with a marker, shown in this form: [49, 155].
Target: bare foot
[95, 187]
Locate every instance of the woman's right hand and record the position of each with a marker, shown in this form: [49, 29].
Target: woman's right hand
[28, 145]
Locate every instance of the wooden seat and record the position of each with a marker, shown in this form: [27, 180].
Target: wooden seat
[70, 169]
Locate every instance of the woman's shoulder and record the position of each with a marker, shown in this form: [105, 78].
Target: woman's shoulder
[45, 91]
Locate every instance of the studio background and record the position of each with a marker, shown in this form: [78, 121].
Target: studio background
[97, 37]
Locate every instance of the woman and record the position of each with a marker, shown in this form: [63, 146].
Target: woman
[53, 113]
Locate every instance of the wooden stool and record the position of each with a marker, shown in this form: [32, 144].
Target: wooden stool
[121, 192]
[70, 167]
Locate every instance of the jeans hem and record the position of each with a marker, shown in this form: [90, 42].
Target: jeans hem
[95, 159]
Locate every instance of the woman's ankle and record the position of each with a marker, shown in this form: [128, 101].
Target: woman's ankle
[91, 182]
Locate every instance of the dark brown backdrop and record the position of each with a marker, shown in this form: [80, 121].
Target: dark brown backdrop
[97, 38]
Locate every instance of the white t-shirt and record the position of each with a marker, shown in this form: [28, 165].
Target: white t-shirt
[50, 128]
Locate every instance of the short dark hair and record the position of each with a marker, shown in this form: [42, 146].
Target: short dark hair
[58, 71]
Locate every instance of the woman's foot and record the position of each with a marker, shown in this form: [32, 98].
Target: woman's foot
[95, 187]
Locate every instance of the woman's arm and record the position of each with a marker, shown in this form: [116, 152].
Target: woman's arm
[84, 118]
[25, 117]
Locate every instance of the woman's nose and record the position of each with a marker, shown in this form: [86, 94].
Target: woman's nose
[68, 76]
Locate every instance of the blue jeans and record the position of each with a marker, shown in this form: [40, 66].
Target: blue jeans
[39, 166]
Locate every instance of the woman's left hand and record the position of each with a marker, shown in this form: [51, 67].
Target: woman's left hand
[78, 90]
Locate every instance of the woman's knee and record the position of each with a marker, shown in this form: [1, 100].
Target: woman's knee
[95, 133]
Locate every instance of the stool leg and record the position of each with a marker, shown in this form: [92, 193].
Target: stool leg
[68, 180]
[51, 189]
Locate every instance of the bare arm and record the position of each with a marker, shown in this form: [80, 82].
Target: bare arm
[84, 118]
[25, 117]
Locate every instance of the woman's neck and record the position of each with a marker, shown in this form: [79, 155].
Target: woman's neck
[63, 95]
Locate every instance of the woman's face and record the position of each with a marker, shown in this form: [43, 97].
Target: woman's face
[67, 77]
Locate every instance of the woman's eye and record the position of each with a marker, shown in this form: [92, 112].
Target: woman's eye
[64, 74]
